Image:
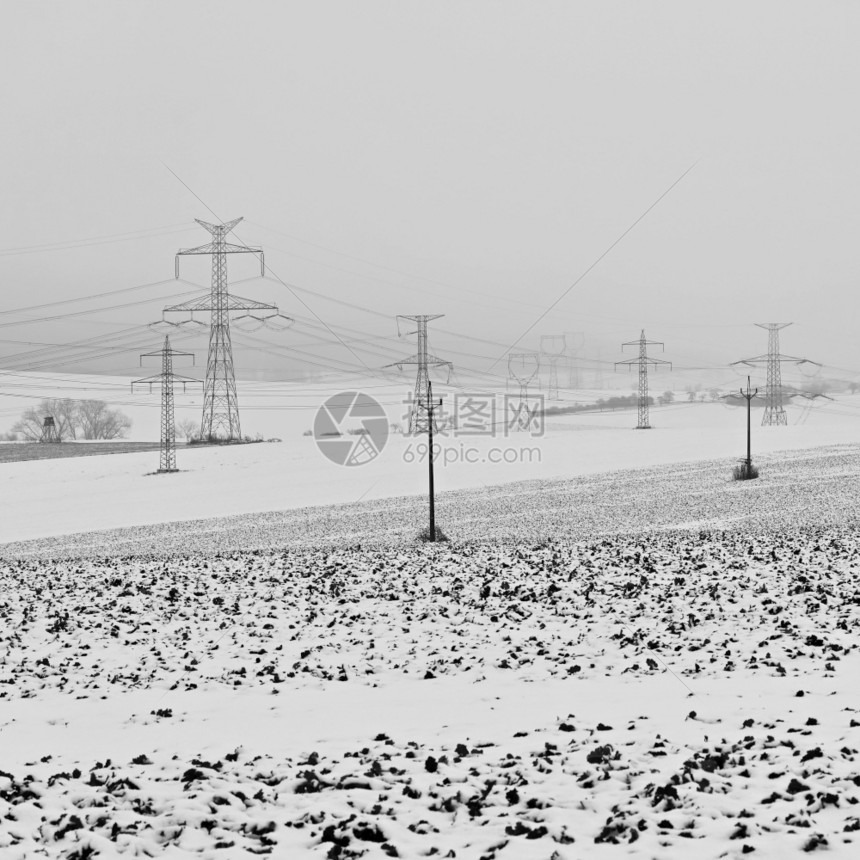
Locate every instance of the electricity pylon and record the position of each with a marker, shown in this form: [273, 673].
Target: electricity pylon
[166, 379]
[523, 367]
[420, 412]
[574, 341]
[553, 347]
[598, 374]
[643, 360]
[50, 433]
[774, 413]
[220, 418]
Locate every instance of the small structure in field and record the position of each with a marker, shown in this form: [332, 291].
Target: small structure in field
[50, 433]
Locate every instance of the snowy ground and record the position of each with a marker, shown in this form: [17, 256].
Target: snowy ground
[59, 497]
[649, 663]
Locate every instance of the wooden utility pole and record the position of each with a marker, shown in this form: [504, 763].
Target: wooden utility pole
[748, 396]
[430, 405]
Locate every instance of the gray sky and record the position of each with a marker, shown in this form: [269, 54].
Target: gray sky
[470, 158]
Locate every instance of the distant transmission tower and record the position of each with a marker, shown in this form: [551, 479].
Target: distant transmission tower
[220, 405]
[50, 433]
[553, 347]
[573, 344]
[419, 415]
[523, 367]
[774, 413]
[166, 379]
[643, 361]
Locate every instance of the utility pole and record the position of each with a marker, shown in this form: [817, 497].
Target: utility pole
[523, 367]
[419, 415]
[430, 406]
[748, 396]
[553, 347]
[774, 413]
[220, 418]
[643, 360]
[166, 379]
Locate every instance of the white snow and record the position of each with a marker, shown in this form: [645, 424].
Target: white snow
[605, 663]
[84, 494]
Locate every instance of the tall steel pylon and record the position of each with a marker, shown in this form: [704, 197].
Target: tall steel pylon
[220, 418]
[774, 412]
[523, 367]
[643, 360]
[553, 347]
[166, 379]
[419, 413]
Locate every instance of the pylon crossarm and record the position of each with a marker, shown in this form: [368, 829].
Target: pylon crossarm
[810, 396]
[237, 303]
[208, 248]
[413, 359]
[750, 361]
[178, 377]
[162, 352]
[762, 359]
[639, 343]
[416, 318]
[227, 247]
[214, 229]
[233, 303]
[150, 381]
[202, 303]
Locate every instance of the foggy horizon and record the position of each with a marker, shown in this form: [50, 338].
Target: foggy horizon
[468, 160]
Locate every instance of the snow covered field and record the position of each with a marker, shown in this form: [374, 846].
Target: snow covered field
[648, 663]
[58, 497]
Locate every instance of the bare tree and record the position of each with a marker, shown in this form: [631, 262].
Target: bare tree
[29, 425]
[96, 421]
[187, 428]
[64, 412]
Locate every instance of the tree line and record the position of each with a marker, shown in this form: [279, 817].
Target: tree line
[74, 419]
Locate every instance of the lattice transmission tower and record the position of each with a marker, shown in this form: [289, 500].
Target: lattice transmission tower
[166, 379]
[420, 412]
[220, 418]
[523, 367]
[643, 360]
[774, 411]
[573, 341]
[553, 347]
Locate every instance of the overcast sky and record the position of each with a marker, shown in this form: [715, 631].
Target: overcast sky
[471, 159]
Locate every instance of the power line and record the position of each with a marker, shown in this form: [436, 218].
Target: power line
[283, 283]
[72, 244]
[598, 260]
